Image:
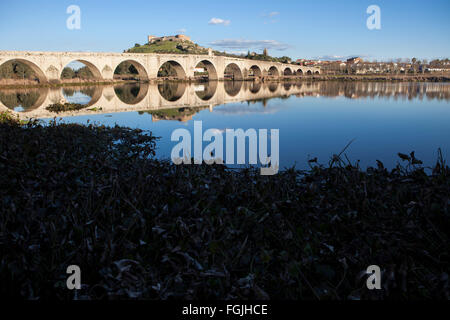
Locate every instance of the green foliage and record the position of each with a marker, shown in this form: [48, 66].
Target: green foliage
[61, 107]
[262, 57]
[167, 70]
[82, 73]
[184, 47]
[68, 73]
[126, 68]
[16, 70]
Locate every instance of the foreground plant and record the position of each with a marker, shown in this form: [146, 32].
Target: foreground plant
[143, 228]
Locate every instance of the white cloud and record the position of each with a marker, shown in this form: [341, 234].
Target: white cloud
[337, 57]
[216, 21]
[270, 17]
[243, 44]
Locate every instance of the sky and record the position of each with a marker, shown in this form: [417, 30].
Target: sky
[319, 29]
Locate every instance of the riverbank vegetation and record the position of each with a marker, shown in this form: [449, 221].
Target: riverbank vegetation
[62, 107]
[140, 228]
[384, 77]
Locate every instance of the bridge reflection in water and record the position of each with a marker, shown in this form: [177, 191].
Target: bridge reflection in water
[32, 103]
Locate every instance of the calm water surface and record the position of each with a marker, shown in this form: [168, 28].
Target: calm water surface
[315, 119]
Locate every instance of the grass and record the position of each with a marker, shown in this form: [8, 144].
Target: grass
[142, 228]
[167, 47]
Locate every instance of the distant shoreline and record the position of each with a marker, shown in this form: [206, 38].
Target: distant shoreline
[379, 78]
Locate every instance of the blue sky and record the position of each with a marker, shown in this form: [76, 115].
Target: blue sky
[299, 29]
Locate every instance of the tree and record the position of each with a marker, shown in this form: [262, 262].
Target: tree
[68, 73]
[413, 61]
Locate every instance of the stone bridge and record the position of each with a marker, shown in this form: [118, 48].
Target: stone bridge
[49, 65]
[105, 99]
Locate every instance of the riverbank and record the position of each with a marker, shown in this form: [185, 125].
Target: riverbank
[381, 78]
[144, 228]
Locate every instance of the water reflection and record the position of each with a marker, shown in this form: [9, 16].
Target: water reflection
[273, 86]
[255, 87]
[23, 100]
[172, 91]
[136, 96]
[315, 118]
[82, 95]
[232, 88]
[206, 90]
[132, 93]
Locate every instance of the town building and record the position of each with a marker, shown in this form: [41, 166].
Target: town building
[176, 38]
[355, 60]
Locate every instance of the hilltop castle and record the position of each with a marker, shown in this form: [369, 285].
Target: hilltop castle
[177, 38]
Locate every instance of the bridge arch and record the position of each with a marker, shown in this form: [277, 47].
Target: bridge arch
[171, 69]
[232, 71]
[287, 71]
[255, 71]
[142, 73]
[209, 67]
[91, 67]
[317, 72]
[309, 72]
[273, 71]
[299, 72]
[38, 71]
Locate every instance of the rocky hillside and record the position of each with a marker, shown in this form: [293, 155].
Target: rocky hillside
[181, 47]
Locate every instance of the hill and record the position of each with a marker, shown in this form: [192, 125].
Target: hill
[180, 47]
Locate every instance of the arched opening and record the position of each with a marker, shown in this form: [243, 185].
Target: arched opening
[233, 72]
[23, 100]
[205, 70]
[20, 71]
[172, 91]
[171, 70]
[287, 72]
[232, 88]
[317, 72]
[206, 91]
[299, 72]
[80, 71]
[309, 72]
[87, 96]
[254, 72]
[130, 70]
[131, 93]
[273, 71]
